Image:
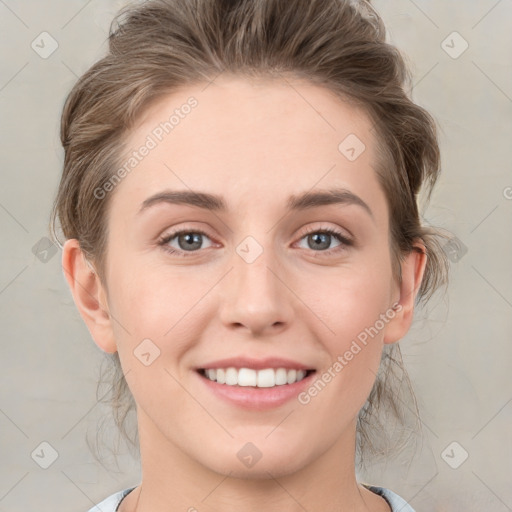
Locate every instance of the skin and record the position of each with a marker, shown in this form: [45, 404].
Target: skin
[255, 143]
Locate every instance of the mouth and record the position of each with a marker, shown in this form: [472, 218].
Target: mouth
[252, 378]
[255, 390]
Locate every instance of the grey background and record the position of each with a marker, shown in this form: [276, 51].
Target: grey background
[458, 352]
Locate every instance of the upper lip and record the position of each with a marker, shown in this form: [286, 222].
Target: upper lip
[255, 364]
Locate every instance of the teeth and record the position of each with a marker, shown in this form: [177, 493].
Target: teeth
[221, 376]
[267, 378]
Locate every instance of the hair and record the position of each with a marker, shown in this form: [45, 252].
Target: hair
[159, 46]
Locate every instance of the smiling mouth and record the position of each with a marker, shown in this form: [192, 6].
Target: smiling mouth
[248, 377]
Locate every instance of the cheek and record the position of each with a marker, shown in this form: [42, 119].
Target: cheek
[351, 332]
[152, 302]
[157, 320]
[352, 300]
[160, 315]
[355, 311]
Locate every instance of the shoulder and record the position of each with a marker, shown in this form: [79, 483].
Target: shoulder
[395, 502]
[111, 503]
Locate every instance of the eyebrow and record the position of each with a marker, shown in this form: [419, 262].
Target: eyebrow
[216, 203]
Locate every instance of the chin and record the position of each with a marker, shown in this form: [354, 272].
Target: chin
[261, 467]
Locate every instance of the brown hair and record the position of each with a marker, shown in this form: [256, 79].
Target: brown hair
[161, 45]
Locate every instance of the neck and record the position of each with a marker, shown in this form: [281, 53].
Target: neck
[174, 480]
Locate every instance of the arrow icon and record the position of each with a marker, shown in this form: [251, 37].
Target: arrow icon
[351, 147]
[249, 455]
[44, 249]
[44, 455]
[44, 45]
[454, 455]
[146, 352]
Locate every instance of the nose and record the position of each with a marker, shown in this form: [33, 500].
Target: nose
[256, 297]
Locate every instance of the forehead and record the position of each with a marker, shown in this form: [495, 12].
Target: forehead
[251, 138]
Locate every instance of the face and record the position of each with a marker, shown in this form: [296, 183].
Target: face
[259, 272]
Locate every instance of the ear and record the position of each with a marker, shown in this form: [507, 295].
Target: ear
[89, 295]
[413, 268]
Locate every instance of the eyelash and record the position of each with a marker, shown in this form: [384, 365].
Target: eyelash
[345, 242]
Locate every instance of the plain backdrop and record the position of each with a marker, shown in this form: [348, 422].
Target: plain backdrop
[458, 353]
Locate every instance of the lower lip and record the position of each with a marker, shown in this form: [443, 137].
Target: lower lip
[254, 398]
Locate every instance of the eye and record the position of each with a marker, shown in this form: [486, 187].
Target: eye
[187, 240]
[320, 239]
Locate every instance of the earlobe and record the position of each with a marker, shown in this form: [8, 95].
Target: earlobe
[89, 295]
[413, 269]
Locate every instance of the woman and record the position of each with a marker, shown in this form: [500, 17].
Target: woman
[239, 203]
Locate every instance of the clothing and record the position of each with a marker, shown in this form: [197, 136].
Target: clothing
[396, 503]
[111, 503]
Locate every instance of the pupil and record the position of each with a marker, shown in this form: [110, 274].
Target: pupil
[318, 236]
[192, 239]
